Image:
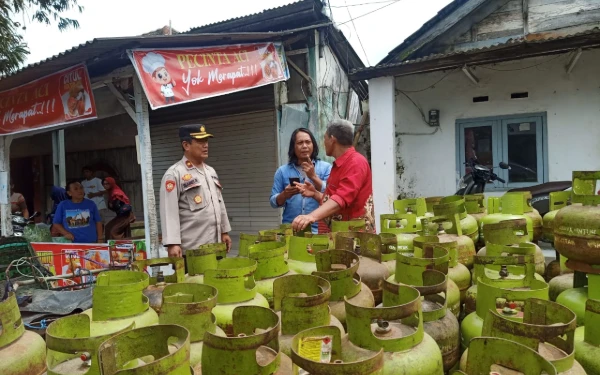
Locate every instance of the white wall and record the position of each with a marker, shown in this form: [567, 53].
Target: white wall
[427, 163]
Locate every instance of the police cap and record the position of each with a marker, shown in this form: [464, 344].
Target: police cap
[193, 131]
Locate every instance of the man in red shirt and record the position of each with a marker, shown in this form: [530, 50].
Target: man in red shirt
[349, 192]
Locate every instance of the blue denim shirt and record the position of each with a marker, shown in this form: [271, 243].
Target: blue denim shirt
[297, 205]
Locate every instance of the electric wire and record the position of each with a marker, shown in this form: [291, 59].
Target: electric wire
[357, 5]
[366, 14]
[432, 85]
[358, 36]
[524, 68]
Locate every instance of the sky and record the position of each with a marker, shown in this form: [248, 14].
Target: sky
[379, 31]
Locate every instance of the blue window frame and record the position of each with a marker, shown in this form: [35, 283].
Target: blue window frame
[519, 140]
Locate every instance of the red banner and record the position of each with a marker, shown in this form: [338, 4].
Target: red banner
[57, 99]
[176, 76]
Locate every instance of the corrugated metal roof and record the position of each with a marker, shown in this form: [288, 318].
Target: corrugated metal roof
[443, 13]
[530, 39]
[314, 6]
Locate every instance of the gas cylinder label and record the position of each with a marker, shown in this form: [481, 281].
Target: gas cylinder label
[316, 349]
[578, 231]
[562, 240]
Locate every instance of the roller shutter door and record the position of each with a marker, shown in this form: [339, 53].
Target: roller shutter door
[244, 155]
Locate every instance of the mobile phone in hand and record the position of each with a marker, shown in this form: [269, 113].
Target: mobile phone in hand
[294, 179]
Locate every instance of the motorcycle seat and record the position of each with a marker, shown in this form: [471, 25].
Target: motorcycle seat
[546, 188]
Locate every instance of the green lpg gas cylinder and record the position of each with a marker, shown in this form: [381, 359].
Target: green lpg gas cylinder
[498, 294]
[253, 348]
[71, 348]
[492, 267]
[430, 202]
[507, 207]
[428, 255]
[458, 273]
[21, 352]
[587, 339]
[559, 284]
[474, 203]
[358, 225]
[369, 247]
[302, 250]
[271, 264]
[512, 233]
[576, 238]
[234, 279]
[340, 267]
[158, 282]
[585, 286]
[576, 234]
[251, 239]
[416, 206]
[449, 229]
[557, 267]
[536, 219]
[203, 258]
[190, 306]
[389, 248]
[547, 327]
[281, 234]
[404, 226]
[438, 321]
[496, 356]
[398, 330]
[322, 350]
[162, 349]
[455, 204]
[118, 301]
[558, 200]
[302, 301]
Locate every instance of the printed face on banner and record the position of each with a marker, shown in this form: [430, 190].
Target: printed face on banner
[60, 98]
[172, 76]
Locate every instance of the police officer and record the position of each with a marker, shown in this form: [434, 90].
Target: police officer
[192, 211]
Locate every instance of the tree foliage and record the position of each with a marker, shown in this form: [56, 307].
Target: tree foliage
[13, 50]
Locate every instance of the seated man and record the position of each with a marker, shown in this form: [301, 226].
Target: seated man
[78, 219]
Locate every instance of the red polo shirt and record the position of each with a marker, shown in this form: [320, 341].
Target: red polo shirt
[350, 185]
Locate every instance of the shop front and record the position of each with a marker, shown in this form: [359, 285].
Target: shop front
[236, 101]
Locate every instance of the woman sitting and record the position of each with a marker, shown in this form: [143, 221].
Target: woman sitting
[119, 227]
[17, 202]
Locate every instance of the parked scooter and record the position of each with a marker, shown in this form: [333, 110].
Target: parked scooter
[19, 222]
[480, 175]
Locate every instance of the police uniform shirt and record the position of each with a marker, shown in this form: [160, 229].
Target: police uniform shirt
[192, 210]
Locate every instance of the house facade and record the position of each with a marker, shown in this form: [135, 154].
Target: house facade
[514, 81]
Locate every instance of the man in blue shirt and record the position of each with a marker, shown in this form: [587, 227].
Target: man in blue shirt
[78, 219]
[303, 166]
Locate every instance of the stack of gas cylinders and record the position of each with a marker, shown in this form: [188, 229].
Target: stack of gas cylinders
[450, 285]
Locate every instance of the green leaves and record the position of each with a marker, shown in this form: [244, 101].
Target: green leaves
[13, 50]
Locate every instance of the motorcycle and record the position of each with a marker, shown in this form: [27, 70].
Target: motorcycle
[480, 175]
[19, 222]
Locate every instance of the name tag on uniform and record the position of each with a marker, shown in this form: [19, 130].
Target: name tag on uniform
[191, 184]
[216, 181]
